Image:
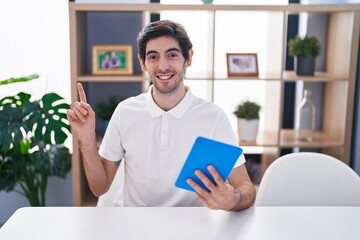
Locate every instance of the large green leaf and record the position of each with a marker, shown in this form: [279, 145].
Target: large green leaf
[18, 100]
[50, 120]
[20, 79]
[13, 118]
[55, 158]
[12, 165]
[7, 176]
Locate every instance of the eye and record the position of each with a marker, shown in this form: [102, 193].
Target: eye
[173, 55]
[152, 57]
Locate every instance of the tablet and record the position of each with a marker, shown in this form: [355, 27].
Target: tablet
[206, 152]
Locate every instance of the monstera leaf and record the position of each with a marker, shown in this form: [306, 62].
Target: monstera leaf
[12, 165]
[55, 158]
[50, 119]
[13, 126]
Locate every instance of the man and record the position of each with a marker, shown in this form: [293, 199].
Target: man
[106, 64]
[153, 132]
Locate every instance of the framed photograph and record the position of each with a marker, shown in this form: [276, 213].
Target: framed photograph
[242, 64]
[112, 59]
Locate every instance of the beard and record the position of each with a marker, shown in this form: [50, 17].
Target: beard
[171, 88]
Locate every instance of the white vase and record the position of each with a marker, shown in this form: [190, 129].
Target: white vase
[247, 129]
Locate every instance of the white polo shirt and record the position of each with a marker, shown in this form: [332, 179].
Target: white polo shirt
[154, 144]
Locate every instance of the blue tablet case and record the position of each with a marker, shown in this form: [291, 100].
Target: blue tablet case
[208, 152]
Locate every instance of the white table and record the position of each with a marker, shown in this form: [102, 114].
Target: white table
[183, 223]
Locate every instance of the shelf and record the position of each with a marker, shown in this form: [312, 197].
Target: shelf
[111, 78]
[290, 76]
[320, 140]
[262, 76]
[223, 76]
[265, 28]
[264, 139]
[158, 7]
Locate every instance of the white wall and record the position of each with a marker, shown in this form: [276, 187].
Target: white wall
[35, 39]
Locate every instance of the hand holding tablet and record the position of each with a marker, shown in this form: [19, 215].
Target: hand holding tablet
[207, 152]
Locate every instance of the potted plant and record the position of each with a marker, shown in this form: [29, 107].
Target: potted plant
[305, 50]
[247, 113]
[32, 133]
[105, 108]
[207, 1]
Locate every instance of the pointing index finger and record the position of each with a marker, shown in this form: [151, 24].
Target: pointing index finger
[82, 94]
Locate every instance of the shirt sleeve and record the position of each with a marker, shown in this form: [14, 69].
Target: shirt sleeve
[224, 133]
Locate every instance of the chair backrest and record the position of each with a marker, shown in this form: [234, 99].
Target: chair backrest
[308, 179]
[108, 198]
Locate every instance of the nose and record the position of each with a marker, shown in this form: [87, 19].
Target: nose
[163, 64]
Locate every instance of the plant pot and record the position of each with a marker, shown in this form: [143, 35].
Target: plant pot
[207, 1]
[247, 129]
[305, 66]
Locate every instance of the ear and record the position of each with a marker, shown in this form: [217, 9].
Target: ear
[188, 62]
[143, 67]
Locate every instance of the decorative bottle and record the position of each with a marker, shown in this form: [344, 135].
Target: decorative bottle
[305, 124]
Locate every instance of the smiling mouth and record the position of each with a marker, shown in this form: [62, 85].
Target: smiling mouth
[165, 77]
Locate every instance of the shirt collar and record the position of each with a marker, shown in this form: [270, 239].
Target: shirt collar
[178, 111]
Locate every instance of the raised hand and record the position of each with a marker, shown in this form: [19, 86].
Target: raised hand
[82, 117]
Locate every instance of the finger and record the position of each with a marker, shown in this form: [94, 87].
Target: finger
[79, 115]
[216, 176]
[208, 202]
[87, 108]
[206, 181]
[71, 115]
[202, 192]
[81, 108]
[81, 91]
[203, 200]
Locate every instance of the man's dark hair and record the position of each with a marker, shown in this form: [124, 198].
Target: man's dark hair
[160, 29]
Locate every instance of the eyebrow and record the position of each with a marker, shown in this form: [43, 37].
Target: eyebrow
[169, 50]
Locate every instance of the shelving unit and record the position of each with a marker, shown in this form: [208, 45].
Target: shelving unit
[339, 78]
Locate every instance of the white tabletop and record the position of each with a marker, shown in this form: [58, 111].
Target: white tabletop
[183, 223]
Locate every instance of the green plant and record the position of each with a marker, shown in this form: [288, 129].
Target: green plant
[247, 110]
[105, 108]
[32, 134]
[304, 47]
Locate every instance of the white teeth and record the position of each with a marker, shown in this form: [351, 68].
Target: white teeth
[164, 77]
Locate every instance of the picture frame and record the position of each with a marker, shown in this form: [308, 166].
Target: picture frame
[112, 59]
[242, 64]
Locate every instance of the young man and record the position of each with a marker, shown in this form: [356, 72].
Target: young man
[153, 132]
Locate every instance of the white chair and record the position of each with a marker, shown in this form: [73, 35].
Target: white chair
[308, 179]
[108, 198]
